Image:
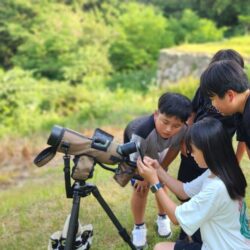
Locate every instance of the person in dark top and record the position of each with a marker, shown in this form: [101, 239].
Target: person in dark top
[227, 86]
[202, 107]
[159, 136]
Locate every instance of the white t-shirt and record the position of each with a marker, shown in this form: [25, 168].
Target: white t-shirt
[221, 220]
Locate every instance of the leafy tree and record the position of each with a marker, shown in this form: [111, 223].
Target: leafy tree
[142, 31]
[171, 7]
[15, 19]
[222, 12]
[245, 21]
[192, 29]
[62, 44]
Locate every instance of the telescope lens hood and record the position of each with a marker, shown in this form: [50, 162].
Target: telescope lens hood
[55, 136]
[45, 156]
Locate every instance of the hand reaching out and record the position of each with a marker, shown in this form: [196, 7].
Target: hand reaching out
[148, 169]
[154, 163]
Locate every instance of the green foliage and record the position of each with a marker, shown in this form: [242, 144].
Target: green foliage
[139, 80]
[247, 68]
[28, 105]
[245, 21]
[192, 29]
[222, 12]
[63, 45]
[207, 32]
[72, 44]
[22, 108]
[139, 39]
[187, 86]
[15, 17]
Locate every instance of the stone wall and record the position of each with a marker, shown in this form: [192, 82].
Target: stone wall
[174, 65]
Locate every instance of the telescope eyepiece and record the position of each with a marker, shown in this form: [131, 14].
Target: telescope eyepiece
[127, 148]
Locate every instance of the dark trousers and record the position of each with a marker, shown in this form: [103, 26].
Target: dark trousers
[188, 171]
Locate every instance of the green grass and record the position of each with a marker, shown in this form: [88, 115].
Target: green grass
[30, 213]
[241, 44]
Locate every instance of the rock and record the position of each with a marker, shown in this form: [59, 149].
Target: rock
[174, 65]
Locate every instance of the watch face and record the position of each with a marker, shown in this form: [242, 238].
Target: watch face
[156, 187]
[153, 188]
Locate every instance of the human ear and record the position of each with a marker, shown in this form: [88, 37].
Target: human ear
[156, 113]
[231, 95]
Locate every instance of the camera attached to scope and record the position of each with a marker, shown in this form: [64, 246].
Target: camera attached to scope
[100, 149]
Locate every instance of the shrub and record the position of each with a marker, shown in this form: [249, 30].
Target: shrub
[190, 28]
[139, 80]
[186, 86]
[142, 31]
[63, 44]
[15, 19]
[28, 105]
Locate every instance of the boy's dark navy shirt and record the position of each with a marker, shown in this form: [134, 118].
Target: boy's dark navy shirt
[243, 128]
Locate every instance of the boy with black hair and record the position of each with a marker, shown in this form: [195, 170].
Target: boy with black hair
[226, 84]
[159, 137]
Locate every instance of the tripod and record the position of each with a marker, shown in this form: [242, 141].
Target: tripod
[82, 189]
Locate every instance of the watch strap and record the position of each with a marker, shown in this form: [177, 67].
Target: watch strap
[154, 188]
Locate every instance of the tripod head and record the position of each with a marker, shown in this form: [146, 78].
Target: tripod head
[87, 152]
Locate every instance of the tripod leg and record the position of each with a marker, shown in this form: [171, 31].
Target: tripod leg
[73, 223]
[122, 231]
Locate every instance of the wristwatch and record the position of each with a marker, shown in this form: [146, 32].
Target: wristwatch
[154, 188]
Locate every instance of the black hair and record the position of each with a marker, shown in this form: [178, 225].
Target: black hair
[222, 76]
[228, 54]
[209, 136]
[174, 104]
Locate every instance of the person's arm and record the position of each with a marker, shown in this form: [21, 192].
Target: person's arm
[168, 205]
[173, 184]
[169, 157]
[241, 148]
[150, 174]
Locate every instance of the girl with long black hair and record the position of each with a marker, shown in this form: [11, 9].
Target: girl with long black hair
[217, 203]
